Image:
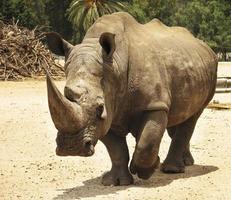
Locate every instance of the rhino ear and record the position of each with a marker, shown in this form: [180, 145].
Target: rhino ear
[107, 41]
[57, 44]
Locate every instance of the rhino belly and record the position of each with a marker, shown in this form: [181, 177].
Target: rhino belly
[189, 101]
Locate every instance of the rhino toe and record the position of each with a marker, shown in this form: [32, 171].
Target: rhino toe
[188, 159]
[144, 172]
[172, 167]
[117, 177]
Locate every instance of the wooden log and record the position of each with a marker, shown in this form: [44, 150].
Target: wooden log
[223, 90]
[219, 106]
[223, 83]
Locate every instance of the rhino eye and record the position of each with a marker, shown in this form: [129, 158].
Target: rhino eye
[99, 111]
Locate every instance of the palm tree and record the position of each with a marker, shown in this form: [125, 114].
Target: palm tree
[83, 13]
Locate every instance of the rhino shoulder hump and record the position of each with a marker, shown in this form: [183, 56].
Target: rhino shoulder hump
[181, 30]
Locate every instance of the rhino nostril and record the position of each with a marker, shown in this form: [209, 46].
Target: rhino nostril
[87, 144]
[89, 147]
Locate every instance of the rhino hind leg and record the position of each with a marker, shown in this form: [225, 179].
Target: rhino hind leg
[179, 154]
[187, 156]
[118, 152]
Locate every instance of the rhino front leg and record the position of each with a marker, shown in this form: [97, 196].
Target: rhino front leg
[145, 158]
[118, 152]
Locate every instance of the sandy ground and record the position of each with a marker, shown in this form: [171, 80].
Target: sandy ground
[29, 168]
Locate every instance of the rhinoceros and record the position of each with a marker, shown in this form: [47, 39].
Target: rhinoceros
[126, 77]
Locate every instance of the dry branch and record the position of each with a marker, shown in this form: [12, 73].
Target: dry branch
[22, 54]
[219, 106]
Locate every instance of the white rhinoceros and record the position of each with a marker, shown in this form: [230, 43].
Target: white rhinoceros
[127, 77]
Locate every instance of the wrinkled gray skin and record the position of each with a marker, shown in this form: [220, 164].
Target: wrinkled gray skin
[127, 77]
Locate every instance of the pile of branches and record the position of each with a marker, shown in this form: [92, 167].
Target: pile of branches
[23, 55]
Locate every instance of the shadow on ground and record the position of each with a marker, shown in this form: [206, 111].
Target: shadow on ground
[94, 188]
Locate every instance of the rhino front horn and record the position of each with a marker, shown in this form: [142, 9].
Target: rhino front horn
[65, 114]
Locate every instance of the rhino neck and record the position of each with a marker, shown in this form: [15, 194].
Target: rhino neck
[121, 74]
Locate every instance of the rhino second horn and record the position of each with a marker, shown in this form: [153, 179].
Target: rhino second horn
[65, 114]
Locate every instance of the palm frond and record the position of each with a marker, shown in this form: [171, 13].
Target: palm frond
[83, 13]
[115, 5]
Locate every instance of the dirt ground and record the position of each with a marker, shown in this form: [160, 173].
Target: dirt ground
[29, 168]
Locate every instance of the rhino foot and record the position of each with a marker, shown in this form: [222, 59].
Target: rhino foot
[188, 159]
[173, 167]
[116, 177]
[143, 172]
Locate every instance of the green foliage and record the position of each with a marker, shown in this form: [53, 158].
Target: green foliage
[57, 17]
[46, 14]
[83, 13]
[146, 10]
[138, 10]
[20, 10]
[209, 21]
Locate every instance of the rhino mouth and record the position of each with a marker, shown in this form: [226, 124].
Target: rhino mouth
[75, 145]
[74, 152]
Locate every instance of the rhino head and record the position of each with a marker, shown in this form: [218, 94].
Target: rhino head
[81, 115]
